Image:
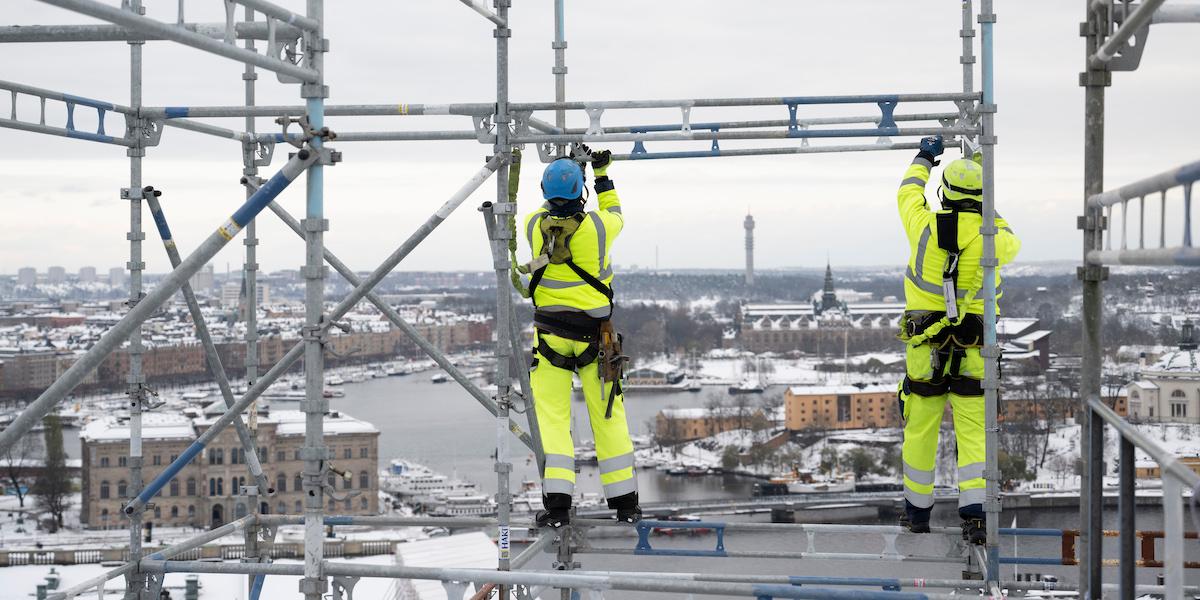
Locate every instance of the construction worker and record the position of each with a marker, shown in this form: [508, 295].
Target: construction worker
[571, 290]
[943, 329]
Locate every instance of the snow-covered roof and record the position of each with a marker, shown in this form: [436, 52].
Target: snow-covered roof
[473, 550]
[291, 422]
[1033, 336]
[1179, 361]
[663, 367]
[703, 413]
[1144, 385]
[833, 390]
[155, 426]
[1009, 326]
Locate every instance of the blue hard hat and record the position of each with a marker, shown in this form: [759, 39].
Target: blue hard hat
[563, 179]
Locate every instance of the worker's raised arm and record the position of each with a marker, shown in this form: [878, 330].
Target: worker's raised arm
[914, 211]
[606, 193]
[1007, 242]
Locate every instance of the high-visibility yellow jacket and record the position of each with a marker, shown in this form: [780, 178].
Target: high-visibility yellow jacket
[560, 288]
[923, 279]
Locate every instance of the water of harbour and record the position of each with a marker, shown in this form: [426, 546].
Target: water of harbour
[443, 427]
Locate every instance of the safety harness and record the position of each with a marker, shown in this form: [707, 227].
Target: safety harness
[604, 344]
[950, 332]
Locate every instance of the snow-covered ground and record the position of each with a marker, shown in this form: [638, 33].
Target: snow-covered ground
[728, 368]
[21, 582]
[16, 535]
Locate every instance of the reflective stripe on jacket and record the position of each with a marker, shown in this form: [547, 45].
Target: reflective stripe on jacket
[923, 278]
[560, 288]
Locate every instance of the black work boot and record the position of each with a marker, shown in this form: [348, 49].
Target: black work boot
[553, 518]
[914, 527]
[557, 512]
[629, 515]
[974, 531]
[915, 519]
[627, 508]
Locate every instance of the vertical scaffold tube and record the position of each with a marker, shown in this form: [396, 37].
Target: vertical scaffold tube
[314, 453]
[968, 46]
[1094, 81]
[560, 65]
[499, 234]
[250, 269]
[136, 380]
[991, 352]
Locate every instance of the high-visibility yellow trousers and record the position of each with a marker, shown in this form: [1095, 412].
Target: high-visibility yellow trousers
[552, 401]
[924, 402]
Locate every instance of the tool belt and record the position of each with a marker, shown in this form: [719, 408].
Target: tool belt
[604, 345]
[968, 333]
[947, 350]
[569, 324]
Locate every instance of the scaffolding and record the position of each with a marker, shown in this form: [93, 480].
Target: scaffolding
[295, 49]
[1116, 33]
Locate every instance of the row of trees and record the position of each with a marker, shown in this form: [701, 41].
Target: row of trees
[47, 458]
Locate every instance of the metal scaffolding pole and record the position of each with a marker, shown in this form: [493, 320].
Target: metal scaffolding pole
[314, 453]
[560, 67]
[1094, 79]
[496, 219]
[250, 277]
[136, 380]
[990, 351]
[117, 33]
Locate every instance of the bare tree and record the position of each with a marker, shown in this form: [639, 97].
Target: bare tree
[714, 413]
[19, 461]
[669, 432]
[741, 406]
[53, 486]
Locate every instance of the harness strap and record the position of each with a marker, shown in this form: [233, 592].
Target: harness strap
[947, 231]
[562, 361]
[588, 278]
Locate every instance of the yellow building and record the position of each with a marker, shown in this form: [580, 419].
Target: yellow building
[840, 407]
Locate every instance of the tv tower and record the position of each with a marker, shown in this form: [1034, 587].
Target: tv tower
[749, 225]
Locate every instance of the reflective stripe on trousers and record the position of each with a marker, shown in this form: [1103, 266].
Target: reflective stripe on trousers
[922, 425]
[551, 388]
[616, 474]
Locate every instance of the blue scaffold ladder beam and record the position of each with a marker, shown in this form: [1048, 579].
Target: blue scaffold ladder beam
[644, 528]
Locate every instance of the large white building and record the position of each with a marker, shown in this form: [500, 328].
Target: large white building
[1169, 390]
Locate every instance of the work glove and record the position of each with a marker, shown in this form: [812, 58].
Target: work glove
[931, 145]
[600, 162]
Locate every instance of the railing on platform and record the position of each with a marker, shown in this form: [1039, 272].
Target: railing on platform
[1176, 477]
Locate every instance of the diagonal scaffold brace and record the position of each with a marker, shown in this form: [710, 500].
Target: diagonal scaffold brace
[210, 349]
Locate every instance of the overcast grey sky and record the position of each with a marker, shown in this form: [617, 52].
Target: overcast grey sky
[64, 208]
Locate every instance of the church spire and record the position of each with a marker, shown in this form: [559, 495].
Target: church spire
[828, 296]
